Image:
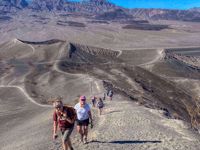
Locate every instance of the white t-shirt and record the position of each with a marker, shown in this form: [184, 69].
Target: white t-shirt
[82, 112]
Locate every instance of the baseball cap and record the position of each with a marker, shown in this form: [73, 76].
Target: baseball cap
[82, 98]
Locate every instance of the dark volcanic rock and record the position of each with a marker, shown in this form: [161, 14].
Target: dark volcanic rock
[5, 18]
[117, 14]
[145, 26]
[99, 22]
[70, 23]
[156, 92]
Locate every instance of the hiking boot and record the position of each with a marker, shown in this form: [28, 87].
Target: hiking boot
[71, 148]
[85, 141]
[81, 140]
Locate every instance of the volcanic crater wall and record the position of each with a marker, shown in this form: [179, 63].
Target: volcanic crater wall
[133, 81]
[115, 69]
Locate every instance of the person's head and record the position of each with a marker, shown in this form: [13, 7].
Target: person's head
[58, 104]
[82, 100]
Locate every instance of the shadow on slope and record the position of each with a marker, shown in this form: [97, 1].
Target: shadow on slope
[127, 142]
[52, 41]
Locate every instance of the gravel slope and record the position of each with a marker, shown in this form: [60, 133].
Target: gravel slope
[126, 125]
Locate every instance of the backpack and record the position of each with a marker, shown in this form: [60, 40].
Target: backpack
[100, 104]
[71, 112]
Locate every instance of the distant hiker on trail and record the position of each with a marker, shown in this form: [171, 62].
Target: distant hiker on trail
[64, 117]
[83, 115]
[100, 105]
[94, 101]
[104, 96]
[110, 94]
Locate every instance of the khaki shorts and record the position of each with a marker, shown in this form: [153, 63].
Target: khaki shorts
[66, 134]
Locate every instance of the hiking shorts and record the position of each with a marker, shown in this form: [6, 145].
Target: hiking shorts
[83, 122]
[66, 134]
[100, 107]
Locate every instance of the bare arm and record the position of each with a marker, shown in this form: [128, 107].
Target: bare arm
[70, 120]
[90, 115]
[55, 127]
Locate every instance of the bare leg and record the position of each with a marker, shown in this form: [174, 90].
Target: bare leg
[65, 145]
[69, 144]
[100, 110]
[80, 131]
[85, 133]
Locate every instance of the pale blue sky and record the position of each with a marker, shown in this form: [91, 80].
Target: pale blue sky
[170, 4]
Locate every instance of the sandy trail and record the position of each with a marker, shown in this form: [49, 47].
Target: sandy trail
[25, 124]
[160, 55]
[25, 94]
[123, 125]
[120, 53]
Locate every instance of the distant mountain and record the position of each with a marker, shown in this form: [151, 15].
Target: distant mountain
[166, 14]
[50, 5]
[91, 6]
[95, 6]
[105, 10]
[195, 9]
[12, 5]
[102, 9]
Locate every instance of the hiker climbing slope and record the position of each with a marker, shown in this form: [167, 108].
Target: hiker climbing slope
[64, 117]
[94, 100]
[100, 105]
[83, 116]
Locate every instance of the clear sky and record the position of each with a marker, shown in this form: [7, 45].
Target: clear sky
[170, 4]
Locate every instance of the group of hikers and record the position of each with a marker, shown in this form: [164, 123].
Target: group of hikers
[65, 117]
[98, 102]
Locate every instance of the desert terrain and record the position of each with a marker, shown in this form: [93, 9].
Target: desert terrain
[155, 75]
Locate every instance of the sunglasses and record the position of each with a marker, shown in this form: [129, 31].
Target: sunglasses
[58, 107]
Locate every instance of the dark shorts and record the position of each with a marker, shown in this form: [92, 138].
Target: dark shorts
[83, 122]
[66, 133]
